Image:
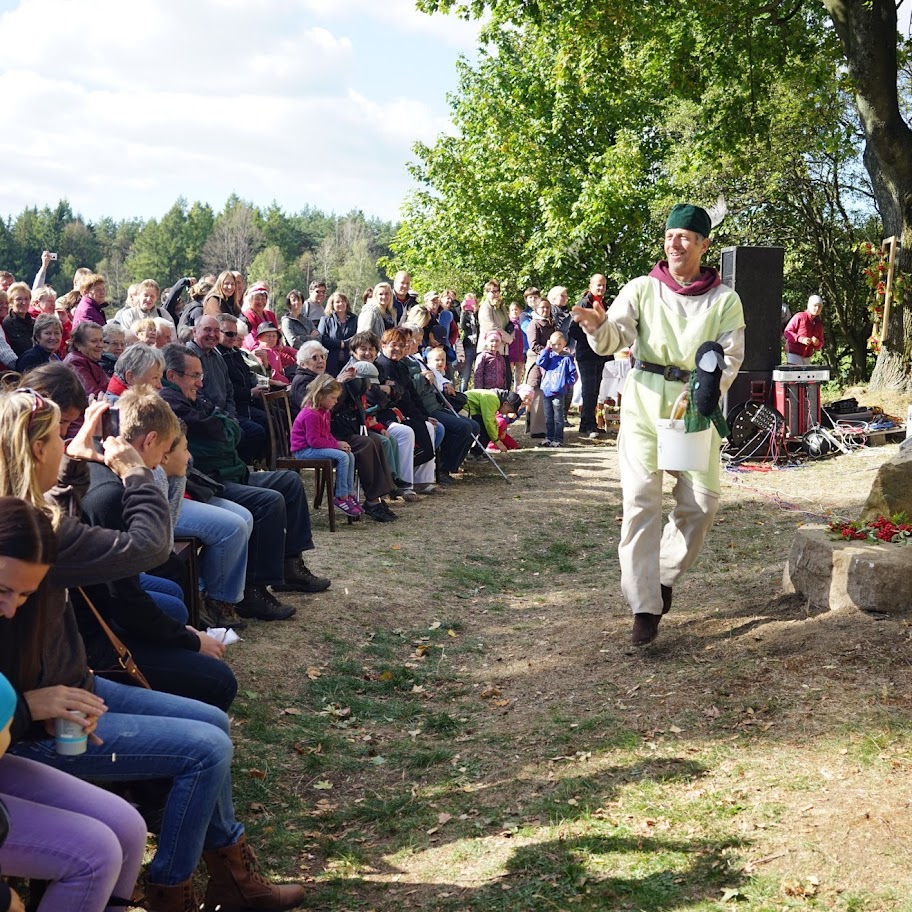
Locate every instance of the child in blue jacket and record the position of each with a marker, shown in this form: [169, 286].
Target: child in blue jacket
[558, 376]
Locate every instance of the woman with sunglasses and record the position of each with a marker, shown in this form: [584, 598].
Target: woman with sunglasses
[135, 734]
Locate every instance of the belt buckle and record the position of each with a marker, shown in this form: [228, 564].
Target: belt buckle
[671, 372]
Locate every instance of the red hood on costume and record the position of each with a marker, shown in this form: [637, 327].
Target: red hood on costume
[708, 279]
[116, 386]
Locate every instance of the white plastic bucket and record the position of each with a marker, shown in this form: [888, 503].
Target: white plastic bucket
[682, 452]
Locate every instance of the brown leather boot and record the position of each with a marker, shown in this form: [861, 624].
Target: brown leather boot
[236, 883]
[179, 898]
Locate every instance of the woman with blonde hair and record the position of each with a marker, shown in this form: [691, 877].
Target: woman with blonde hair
[379, 314]
[336, 329]
[223, 297]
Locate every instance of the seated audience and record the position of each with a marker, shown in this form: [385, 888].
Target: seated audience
[139, 734]
[114, 341]
[87, 344]
[276, 499]
[91, 304]
[297, 327]
[46, 336]
[19, 324]
[336, 330]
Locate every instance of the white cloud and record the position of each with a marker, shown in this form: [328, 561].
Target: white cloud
[294, 100]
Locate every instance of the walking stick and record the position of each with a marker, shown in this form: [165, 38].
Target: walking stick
[446, 404]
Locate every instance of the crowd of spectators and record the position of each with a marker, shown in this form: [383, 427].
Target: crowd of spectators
[122, 427]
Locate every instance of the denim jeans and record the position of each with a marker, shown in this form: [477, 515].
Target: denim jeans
[467, 367]
[167, 595]
[345, 466]
[554, 417]
[87, 842]
[152, 735]
[224, 529]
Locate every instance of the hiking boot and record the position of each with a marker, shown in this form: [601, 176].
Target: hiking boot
[217, 613]
[236, 883]
[177, 898]
[645, 628]
[260, 603]
[299, 579]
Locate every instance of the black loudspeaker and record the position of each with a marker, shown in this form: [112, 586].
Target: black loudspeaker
[756, 274]
[748, 386]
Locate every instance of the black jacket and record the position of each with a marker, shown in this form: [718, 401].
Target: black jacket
[577, 335]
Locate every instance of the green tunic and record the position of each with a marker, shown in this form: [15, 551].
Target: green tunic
[668, 328]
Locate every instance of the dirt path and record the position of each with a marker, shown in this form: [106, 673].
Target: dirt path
[459, 722]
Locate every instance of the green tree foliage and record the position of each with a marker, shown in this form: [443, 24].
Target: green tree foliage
[583, 120]
[286, 249]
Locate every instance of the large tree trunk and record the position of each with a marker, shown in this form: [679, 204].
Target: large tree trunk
[868, 32]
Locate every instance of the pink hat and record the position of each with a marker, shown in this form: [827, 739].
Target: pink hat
[493, 334]
[258, 288]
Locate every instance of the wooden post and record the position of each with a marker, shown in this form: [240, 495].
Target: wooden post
[888, 294]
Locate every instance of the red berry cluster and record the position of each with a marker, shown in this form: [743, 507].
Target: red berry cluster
[893, 530]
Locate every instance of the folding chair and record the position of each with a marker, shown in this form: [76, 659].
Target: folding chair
[278, 421]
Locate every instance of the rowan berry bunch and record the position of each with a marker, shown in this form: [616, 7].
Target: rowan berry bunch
[895, 530]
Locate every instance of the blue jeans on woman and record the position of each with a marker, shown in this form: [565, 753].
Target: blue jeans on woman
[152, 735]
[345, 466]
[167, 595]
[554, 418]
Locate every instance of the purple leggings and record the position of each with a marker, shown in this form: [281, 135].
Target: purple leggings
[86, 841]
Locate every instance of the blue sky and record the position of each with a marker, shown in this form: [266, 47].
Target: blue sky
[122, 106]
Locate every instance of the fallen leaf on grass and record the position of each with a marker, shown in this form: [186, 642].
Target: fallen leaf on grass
[417, 689]
[256, 774]
[313, 672]
[435, 626]
[258, 808]
[395, 547]
[730, 893]
[291, 711]
[323, 785]
[444, 818]
[489, 692]
[501, 703]
[301, 749]
[385, 676]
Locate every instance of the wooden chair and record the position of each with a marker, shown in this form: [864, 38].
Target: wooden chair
[187, 549]
[278, 420]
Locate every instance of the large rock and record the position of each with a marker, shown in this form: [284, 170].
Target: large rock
[842, 575]
[892, 489]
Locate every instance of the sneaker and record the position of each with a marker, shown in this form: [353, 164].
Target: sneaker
[557, 443]
[260, 603]
[217, 613]
[545, 443]
[354, 504]
[385, 507]
[377, 513]
[346, 506]
[299, 579]
[445, 478]
[594, 435]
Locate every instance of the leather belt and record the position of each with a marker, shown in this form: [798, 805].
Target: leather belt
[668, 371]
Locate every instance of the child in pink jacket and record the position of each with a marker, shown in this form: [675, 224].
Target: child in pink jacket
[311, 438]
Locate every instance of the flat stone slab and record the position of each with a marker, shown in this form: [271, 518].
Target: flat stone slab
[840, 575]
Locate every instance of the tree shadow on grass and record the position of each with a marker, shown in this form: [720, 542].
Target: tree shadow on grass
[617, 872]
